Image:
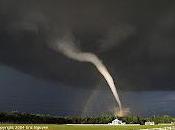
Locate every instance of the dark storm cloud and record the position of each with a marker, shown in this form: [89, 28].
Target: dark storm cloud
[135, 39]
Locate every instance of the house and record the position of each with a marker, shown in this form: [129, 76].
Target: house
[149, 123]
[117, 122]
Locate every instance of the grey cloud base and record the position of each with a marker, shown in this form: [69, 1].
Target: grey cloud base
[134, 39]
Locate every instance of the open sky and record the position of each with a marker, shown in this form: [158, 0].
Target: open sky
[134, 39]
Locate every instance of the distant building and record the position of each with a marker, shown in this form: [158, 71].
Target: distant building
[173, 123]
[149, 123]
[117, 122]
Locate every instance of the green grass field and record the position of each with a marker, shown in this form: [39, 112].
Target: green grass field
[72, 127]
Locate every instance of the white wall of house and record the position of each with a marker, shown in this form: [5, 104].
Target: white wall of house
[149, 123]
[117, 122]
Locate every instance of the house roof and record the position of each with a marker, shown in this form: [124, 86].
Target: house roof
[116, 120]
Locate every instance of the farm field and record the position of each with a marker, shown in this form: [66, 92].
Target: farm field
[74, 127]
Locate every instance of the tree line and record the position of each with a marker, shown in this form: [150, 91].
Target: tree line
[14, 117]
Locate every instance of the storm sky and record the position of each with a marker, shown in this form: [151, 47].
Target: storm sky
[134, 39]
